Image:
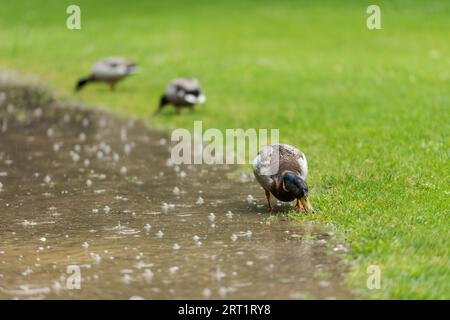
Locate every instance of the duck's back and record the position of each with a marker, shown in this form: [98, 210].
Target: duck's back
[292, 159]
[111, 68]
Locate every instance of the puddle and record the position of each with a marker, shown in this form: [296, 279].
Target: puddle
[81, 187]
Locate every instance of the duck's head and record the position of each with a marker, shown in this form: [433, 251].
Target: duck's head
[132, 68]
[297, 187]
[195, 96]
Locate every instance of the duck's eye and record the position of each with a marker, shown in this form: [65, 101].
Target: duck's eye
[114, 65]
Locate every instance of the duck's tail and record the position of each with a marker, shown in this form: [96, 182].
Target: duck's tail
[164, 100]
[82, 82]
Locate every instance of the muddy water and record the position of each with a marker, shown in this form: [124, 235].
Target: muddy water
[84, 191]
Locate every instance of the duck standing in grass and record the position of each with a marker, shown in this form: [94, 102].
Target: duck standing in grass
[281, 170]
[182, 93]
[109, 70]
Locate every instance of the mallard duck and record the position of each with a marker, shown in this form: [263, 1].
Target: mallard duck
[109, 70]
[182, 93]
[281, 170]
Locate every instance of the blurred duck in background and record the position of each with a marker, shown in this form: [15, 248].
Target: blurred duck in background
[109, 70]
[182, 93]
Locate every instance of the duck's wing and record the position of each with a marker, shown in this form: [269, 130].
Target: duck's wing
[186, 84]
[264, 168]
[292, 159]
[113, 67]
[115, 61]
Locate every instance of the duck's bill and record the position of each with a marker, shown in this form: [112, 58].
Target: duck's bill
[306, 204]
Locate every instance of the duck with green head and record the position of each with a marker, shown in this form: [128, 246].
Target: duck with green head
[281, 170]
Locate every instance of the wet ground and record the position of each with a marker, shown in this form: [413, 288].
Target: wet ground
[81, 190]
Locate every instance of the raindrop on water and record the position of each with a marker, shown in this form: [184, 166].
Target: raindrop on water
[176, 191]
[243, 177]
[56, 286]
[169, 162]
[123, 134]
[223, 291]
[166, 206]
[173, 269]
[75, 156]
[250, 199]
[66, 118]
[27, 272]
[38, 112]
[206, 292]
[28, 223]
[340, 248]
[127, 149]
[106, 148]
[148, 275]
[218, 275]
[126, 278]
[97, 258]
[85, 122]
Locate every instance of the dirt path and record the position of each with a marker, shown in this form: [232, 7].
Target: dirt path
[81, 187]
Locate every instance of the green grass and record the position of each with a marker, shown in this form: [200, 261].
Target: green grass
[369, 108]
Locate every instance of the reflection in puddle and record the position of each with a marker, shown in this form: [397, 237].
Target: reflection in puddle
[81, 187]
